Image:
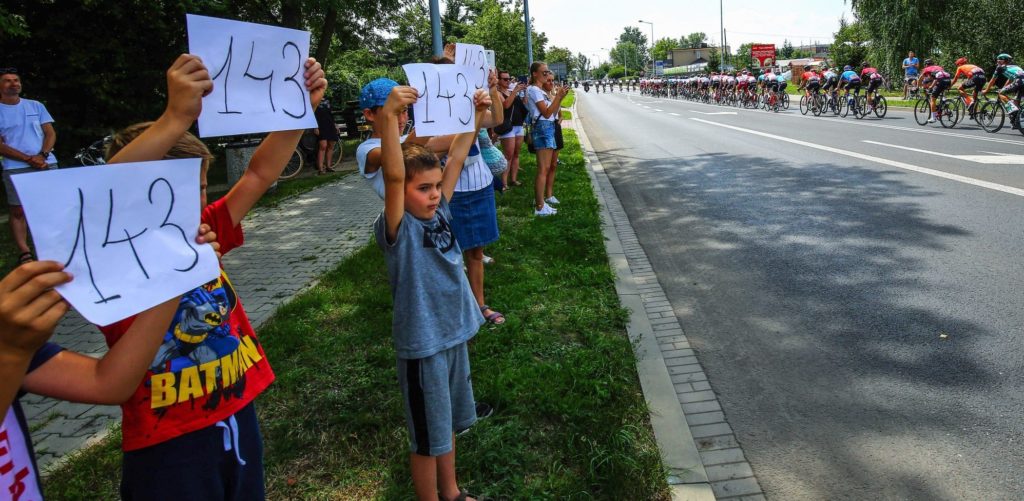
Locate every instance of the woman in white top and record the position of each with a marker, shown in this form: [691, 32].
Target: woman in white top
[515, 112]
[543, 110]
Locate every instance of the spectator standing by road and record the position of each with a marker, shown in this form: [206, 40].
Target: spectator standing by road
[327, 135]
[512, 141]
[543, 111]
[28, 137]
[549, 182]
[910, 71]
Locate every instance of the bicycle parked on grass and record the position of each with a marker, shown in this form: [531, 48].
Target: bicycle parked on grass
[94, 154]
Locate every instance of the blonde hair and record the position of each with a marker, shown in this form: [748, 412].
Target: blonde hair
[418, 159]
[533, 69]
[187, 146]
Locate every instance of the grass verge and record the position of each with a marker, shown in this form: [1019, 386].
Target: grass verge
[570, 420]
[566, 115]
[569, 99]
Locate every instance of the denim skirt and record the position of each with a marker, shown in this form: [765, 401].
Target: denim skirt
[544, 135]
[474, 218]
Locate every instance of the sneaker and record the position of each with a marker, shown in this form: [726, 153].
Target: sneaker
[931, 119]
[488, 259]
[546, 210]
[552, 200]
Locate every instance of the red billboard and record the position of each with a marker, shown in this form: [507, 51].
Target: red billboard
[763, 53]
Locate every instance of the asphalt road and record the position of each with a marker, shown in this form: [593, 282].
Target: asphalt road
[856, 305]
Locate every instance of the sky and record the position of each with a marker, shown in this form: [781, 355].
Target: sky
[587, 26]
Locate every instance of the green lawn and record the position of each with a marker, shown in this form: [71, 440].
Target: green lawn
[571, 422]
[569, 99]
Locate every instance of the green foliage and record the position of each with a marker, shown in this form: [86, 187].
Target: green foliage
[714, 60]
[632, 34]
[851, 43]
[628, 56]
[743, 57]
[787, 50]
[661, 48]
[502, 28]
[561, 55]
[617, 71]
[600, 70]
[693, 40]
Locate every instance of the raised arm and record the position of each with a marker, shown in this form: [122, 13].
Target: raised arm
[392, 161]
[272, 155]
[497, 111]
[461, 144]
[545, 110]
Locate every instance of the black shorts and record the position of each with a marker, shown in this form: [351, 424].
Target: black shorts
[813, 86]
[830, 83]
[977, 81]
[853, 85]
[1016, 85]
[773, 86]
[874, 84]
[941, 85]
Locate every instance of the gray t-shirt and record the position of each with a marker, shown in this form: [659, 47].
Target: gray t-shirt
[434, 308]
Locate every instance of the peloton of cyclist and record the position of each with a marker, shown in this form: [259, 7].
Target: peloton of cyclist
[1011, 78]
[974, 78]
[936, 80]
[830, 80]
[874, 79]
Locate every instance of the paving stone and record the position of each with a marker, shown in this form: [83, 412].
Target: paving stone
[705, 418]
[731, 488]
[716, 443]
[731, 471]
[692, 377]
[698, 407]
[710, 430]
[722, 456]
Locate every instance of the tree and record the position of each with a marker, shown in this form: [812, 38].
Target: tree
[501, 27]
[561, 55]
[743, 57]
[639, 40]
[661, 48]
[627, 55]
[787, 50]
[714, 60]
[851, 43]
[601, 70]
[694, 40]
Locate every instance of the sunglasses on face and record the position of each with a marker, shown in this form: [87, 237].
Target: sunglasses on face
[505, 78]
[11, 70]
[547, 72]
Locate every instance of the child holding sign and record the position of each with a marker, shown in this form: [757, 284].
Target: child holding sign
[29, 312]
[435, 313]
[190, 429]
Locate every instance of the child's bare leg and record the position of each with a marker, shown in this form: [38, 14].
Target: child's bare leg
[446, 483]
[474, 259]
[424, 476]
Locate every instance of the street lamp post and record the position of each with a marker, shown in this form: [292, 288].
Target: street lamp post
[652, 42]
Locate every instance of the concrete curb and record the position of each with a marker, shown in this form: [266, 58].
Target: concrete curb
[686, 474]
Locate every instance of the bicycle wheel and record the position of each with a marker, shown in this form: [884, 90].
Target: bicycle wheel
[817, 104]
[785, 101]
[881, 106]
[846, 106]
[804, 105]
[295, 164]
[336, 154]
[922, 111]
[948, 114]
[862, 107]
[990, 116]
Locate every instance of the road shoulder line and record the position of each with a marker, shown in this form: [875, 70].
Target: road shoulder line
[659, 343]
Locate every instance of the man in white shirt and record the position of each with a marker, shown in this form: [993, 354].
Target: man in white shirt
[26, 144]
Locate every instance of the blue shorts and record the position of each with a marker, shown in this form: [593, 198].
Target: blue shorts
[544, 135]
[200, 465]
[474, 218]
[438, 396]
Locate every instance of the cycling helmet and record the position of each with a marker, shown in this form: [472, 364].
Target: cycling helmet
[807, 67]
[864, 64]
[961, 61]
[928, 62]
[847, 68]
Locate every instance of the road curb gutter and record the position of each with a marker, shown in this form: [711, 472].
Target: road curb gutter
[654, 331]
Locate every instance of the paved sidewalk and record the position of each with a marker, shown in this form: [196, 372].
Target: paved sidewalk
[286, 248]
[697, 445]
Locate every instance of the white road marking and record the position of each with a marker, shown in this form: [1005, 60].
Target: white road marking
[884, 161]
[714, 113]
[995, 158]
[673, 114]
[656, 109]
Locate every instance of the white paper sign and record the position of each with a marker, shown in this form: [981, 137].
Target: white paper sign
[126, 232]
[490, 58]
[258, 76]
[475, 57]
[445, 104]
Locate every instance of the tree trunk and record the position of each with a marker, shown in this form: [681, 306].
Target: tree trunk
[323, 45]
[291, 14]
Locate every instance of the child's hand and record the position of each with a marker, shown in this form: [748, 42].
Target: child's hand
[482, 100]
[29, 307]
[449, 51]
[207, 236]
[400, 98]
[188, 82]
[316, 84]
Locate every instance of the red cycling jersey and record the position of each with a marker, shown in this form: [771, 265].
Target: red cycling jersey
[810, 76]
[934, 71]
[967, 71]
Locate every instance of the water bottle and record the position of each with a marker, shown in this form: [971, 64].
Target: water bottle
[1010, 107]
[851, 101]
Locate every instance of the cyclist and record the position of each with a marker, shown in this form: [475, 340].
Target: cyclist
[810, 83]
[770, 86]
[936, 80]
[848, 81]
[830, 81]
[781, 82]
[874, 79]
[760, 83]
[1008, 77]
[974, 78]
[741, 85]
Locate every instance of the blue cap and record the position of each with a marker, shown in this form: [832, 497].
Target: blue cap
[375, 93]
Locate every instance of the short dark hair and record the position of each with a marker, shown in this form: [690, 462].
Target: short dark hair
[418, 159]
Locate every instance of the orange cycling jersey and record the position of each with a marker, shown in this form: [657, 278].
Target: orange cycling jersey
[967, 71]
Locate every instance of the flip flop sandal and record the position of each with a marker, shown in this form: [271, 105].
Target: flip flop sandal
[495, 317]
[516, 183]
[25, 257]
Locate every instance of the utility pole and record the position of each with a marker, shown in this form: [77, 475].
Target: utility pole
[529, 33]
[435, 27]
[721, 34]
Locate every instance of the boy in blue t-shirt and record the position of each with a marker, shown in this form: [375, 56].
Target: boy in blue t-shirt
[435, 312]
